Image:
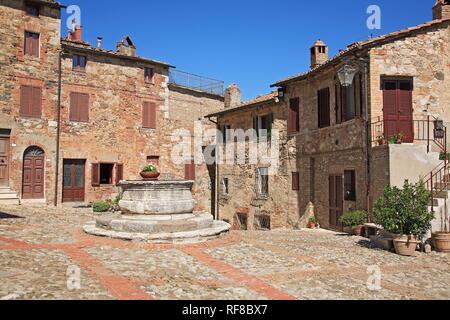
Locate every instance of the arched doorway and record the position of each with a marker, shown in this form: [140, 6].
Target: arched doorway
[33, 173]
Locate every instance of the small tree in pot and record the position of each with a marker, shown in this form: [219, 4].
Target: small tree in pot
[404, 212]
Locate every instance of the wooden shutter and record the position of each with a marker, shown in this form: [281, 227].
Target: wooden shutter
[323, 97]
[189, 171]
[256, 126]
[338, 99]
[294, 109]
[73, 112]
[83, 108]
[36, 108]
[149, 115]
[295, 181]
[145, 115]
[25, 101]
[269, 125]
[95, 175]
[35, 44]
[357, 84]
[119, 173]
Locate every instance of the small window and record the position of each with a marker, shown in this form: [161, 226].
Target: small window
[262, 222]
[295, 181]
[225, 186]
[31, 46]
[32, 9]
[350, 185]
[241, 221]
[263, 182]
[79, 63]
[148, 75]
[154, 160]
[106, 173]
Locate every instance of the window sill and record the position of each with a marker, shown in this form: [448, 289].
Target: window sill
[79, 71]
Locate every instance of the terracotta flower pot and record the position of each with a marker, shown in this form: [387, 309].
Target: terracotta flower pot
[149, 176]
[442, 241]
[357, 231]
[312, 225]
[405, 245]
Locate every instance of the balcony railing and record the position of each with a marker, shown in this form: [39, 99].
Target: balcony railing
[195, 82]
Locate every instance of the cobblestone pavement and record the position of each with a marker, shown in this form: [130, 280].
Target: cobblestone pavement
[42, 251]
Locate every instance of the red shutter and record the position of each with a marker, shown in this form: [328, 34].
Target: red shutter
[36, 110]
[189, 171]
[83, 107]
[73, 112]
[95, 175]
[35, 45]
[25, 101]
[145, 115]
[152, 112]
[295, 181]
[119, 173]
[294, 109]
[357, 83]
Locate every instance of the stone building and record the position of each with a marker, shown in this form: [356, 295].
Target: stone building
[336, 121]
[75, 119]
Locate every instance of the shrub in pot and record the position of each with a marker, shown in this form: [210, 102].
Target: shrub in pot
[355, 220]
[101, 206]
[404, 213]
[150, 172]
[441, 240]
[312, 223]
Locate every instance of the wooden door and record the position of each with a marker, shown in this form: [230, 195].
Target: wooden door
[398, 109]
[336, 198]
[4, 162]
[74, 180]
[33, 174]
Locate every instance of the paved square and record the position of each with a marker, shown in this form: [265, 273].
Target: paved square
[43, 249]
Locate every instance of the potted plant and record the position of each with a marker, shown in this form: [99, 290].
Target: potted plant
[312, 223]
[150, 172]
[399, 138]
[441, 239]
[381, 140]
[404, 213]
[355, 220]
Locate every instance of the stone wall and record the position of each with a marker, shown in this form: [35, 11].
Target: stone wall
[17, 69]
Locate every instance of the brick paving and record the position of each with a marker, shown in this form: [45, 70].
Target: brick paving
[40, 246]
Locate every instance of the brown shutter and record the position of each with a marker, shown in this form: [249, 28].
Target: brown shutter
[119, 173]
[357, 83]
[189, 171]
[294, 109]
[25, 101]
[338, 99]
[323, 101]
[344, 103]
[145, 115]
[36, 110]
[83, 107]
[35, 45]
[73, 112]
[95, 175]
[295, 181]
[28, 43]
[152, 114]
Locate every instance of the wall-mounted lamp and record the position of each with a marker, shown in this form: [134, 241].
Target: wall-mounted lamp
[346, 75]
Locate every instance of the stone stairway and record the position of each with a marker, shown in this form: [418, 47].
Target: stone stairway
[8, 196]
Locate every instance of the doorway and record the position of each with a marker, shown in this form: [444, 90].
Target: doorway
[336, 206]
[33, 173]
[74, 180]
[4, 161]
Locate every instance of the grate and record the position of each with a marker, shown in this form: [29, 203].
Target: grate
[262, 222]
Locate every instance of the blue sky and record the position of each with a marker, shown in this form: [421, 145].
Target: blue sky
[251, 43]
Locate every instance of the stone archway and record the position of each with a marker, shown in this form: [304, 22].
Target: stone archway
[33, 173]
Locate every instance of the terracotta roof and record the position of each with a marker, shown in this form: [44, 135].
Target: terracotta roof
[52, 3]
[250, 103]
[359, 46]
[85, 46]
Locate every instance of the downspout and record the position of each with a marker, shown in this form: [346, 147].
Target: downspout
[58, 128]
[216, 196]
[368, 134]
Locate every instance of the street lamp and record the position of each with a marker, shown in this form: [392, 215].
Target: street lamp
[346, 75]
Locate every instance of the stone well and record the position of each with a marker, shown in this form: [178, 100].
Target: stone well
[158, 212]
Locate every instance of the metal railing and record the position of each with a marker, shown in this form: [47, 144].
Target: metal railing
[199, 83]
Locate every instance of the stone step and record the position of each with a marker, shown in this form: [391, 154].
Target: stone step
[12, 201]
[9, 195]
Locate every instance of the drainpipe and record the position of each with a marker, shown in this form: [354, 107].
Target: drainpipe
[216, 180]
[368, 135]
[58, 128]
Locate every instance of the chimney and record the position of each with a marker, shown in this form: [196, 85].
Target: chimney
[319, 54]
[126, 47]
[99, 42]
[76, 34]
[441, 10]
[232, 96]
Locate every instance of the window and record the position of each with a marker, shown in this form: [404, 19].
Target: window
[262, 222]
[350, 185]
[241, 221]
[149, 115]
[294, 120]
[154, 160]
[295, 181]
[263, 126]
[79, 63]
[103, 174]
[30, 102]
[225, 186]
[189, 171]
[226, 134]
[349, 100]
[79, 107]
[148, 75]
[323, 97]
[32, 9]
[263, 182]
[31, 44]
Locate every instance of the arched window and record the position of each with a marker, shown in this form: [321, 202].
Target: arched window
[33, 152]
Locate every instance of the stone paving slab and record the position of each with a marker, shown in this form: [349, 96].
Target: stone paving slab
[37, 248]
